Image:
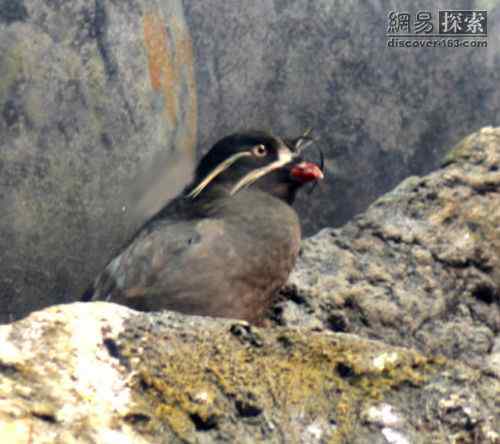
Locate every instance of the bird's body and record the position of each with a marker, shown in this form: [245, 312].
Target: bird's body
[220, 253]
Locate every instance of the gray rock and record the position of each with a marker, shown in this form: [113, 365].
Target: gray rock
[169, 378]
[420, 268]
[91, 95]
[382, 113]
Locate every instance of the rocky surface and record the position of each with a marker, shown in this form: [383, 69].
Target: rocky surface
[118, 376]
[420, 268]
[387, 333]
[91, 95]
[382, 113]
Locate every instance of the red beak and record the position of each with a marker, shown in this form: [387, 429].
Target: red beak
[305, 172]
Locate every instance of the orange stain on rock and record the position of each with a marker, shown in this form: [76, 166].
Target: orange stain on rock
[185, 59]
[162, 74]
[171, 71]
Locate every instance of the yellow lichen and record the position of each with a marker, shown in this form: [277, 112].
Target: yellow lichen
[302, 379]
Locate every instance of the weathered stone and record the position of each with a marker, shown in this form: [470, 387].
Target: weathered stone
[91, 95]
[382, 113]
[102, 373]
[420, 268]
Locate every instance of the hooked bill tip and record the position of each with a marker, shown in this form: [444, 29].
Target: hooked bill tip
[305, 172]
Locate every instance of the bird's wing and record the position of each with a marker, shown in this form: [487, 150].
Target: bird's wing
[166, 265]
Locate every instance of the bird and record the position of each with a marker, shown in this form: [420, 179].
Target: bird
[227, 243]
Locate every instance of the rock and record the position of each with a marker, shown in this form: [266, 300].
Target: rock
[420, 268]
[91, 95]
[115, 375]
[388, 333]
[382, 114]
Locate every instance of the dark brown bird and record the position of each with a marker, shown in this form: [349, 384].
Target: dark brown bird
[226, 244]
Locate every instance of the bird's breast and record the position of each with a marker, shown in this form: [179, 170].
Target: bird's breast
[267, 230]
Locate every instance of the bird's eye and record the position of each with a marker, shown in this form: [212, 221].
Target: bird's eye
[259, 150]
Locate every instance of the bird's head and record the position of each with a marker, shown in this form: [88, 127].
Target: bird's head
[256, 159]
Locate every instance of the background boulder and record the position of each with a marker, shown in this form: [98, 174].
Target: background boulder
[95, 97]
[381, 113]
